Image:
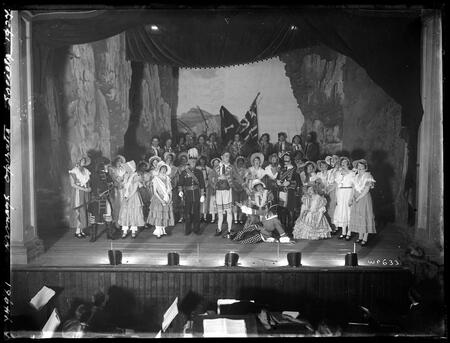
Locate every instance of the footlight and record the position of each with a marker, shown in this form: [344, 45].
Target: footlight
[294, 259]
[173, 259]
[351, 258]
[115, 257]
[231, 259]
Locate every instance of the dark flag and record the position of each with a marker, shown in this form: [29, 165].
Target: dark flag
[229, 125]
[248, 128]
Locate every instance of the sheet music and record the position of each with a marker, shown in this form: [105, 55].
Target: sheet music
[42, 297]
[223, 327]
[51, 325]
[158, 335]
[292, 314]
[170, 314]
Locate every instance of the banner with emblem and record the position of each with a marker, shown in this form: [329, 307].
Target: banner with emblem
[229, 125]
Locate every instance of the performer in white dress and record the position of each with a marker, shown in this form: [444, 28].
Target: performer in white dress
[79, 180]
[344, 181]
[333, 162]
[362, 219]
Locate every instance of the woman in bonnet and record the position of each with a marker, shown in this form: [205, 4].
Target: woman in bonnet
[362, 219]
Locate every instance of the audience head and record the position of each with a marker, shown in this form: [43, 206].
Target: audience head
[99, 299]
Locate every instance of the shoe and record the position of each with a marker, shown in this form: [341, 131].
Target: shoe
[364, 243]
[341, 236]
[218, 233]
[124, 235]
[358, 241]
[236, 222]
[77, 235]
[133, 235]
[181, 220]
[347, 238]
[83, 235]
[158, 237]
[213, 221]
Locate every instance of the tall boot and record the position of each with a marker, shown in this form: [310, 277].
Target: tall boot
[110, 230]
[93, 232]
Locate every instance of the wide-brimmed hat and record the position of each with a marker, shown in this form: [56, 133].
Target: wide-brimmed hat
[286, 153]
[362, 161]
[256, 155]
[257, 182]
[329, 158]
[87, 160]
[311, 163]
[345, 158]
[319, 162]
[181, 154]
[151, 159]
[163, 164]
[130, 166]
[168, 153]
[215, 159]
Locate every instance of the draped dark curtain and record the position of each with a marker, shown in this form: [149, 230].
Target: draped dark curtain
[385, 44]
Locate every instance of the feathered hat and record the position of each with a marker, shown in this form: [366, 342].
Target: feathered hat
[193, 154]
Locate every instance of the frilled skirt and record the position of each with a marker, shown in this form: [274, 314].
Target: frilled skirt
[160, 215]
[79, 217]
[362, 219]
[223, 200]
[311, 226]
[115, 203]
[131, 211]
[341, 217]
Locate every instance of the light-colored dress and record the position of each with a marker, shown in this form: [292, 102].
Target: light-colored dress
[331, 190]
[161, 212]
[312, 224]
[79, 199]
[117, 174]
[131, 208]
[253, 174]
[343, 195]
[362, 219]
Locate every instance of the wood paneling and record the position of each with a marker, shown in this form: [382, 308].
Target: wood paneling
[155, 288]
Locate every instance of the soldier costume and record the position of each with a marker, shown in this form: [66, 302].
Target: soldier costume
[191, 187]
[100, 205]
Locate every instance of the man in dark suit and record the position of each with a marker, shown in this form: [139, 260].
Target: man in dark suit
[312, 148]
[282, 146]
[191, 188]
[155, 149]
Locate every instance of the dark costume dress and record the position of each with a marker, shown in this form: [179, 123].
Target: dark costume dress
[192, 184]
[288, 196]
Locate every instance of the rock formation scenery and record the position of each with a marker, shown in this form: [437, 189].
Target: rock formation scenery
[94, 99]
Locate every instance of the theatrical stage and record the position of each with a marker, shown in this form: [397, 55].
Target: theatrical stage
[78, 268]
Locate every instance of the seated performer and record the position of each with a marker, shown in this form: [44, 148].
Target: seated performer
[100, 208]
[161, 211]
[272, 224]
[191, 187]
[259, 199]
[131, 215]
[312, 223]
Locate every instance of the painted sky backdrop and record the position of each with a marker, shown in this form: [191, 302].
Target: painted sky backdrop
[236, 87]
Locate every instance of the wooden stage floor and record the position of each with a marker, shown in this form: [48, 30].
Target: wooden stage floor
[206, 250]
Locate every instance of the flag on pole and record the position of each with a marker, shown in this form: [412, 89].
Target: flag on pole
[229, 125]
[248, 128]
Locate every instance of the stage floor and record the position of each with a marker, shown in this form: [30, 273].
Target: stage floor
[207, 250]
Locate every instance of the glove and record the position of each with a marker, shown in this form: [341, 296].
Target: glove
[180, 194]
[202, 199]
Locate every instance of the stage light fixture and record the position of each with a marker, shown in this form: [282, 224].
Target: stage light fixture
[293, 27]
[351, 259]
[154, 28]
[294, 259]
[173, 259]
[231, 259]
[115, 257]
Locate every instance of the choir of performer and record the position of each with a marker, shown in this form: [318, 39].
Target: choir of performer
[199, 178]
